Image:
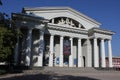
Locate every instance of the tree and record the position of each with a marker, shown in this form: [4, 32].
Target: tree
[0, 2]
[7, 38]
[7, 43]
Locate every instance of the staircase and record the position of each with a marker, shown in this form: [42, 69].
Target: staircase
[69, 69]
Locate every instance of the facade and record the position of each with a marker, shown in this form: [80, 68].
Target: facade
[60, 37]
[115, 62]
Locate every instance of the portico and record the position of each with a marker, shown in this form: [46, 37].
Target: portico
[60, 37]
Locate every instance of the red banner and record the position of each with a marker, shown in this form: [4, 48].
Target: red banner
[66, 47]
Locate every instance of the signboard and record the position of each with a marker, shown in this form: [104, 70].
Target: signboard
[66, 47]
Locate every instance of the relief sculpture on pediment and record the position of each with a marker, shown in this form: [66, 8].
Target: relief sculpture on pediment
[68, 22]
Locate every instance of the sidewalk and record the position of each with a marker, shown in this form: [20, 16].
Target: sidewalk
[62, 75]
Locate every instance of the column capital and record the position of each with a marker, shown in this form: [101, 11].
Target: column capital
[30, 28]
[79, 39]
[95, 38]
[71, 38]
[61, 37]
[102, 39]
[52, 34]
[109, 39]
[41, 33]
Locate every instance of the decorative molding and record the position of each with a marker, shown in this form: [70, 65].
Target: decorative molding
[101, 31]
[66, 29]
[28, 17]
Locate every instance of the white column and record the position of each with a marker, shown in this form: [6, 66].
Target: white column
[41, 49]
[103, 53]
[28, 50]
[96, 59]
[51, 51]
[79, 53]
[110, 53]
[16, 51]
[89, 54]
[71, 55]
[61, 52]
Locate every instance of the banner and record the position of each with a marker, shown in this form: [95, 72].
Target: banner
[66, 47]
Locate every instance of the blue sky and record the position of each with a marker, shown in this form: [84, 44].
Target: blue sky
[106, 12]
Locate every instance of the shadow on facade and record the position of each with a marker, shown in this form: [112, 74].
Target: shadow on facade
[48, 77]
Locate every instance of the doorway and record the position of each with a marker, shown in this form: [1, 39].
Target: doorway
[66, 60]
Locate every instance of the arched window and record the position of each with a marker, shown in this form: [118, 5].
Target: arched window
[67, 22]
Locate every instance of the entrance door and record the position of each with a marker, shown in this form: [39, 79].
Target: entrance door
[66, 60]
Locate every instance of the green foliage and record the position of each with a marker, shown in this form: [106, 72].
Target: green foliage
[7, 43]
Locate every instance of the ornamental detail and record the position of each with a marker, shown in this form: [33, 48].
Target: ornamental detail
[67, 22]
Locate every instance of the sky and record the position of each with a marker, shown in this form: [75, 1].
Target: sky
[107, 12]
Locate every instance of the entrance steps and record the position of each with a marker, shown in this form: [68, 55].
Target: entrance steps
[67, 70]
[70, 69]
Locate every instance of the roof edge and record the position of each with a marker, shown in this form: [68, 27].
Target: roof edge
[60, 8]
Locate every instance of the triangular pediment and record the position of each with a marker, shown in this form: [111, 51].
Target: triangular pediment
[65, 16]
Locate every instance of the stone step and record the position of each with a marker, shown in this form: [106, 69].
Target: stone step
[68, 69]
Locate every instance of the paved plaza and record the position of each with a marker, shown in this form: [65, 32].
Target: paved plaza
[63, 74]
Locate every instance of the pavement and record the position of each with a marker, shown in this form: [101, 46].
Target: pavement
[63, 74]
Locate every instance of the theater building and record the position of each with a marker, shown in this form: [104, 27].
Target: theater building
[115, 62]
[60, 37]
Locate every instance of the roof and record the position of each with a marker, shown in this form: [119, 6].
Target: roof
[60, 8]
[28, 17]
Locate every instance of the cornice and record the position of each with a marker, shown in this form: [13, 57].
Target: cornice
[102, 31]
[67, 29]
[26, 17]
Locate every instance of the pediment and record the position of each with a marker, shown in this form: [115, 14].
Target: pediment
[64, 16]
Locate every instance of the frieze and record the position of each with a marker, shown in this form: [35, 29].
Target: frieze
[72, 30]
